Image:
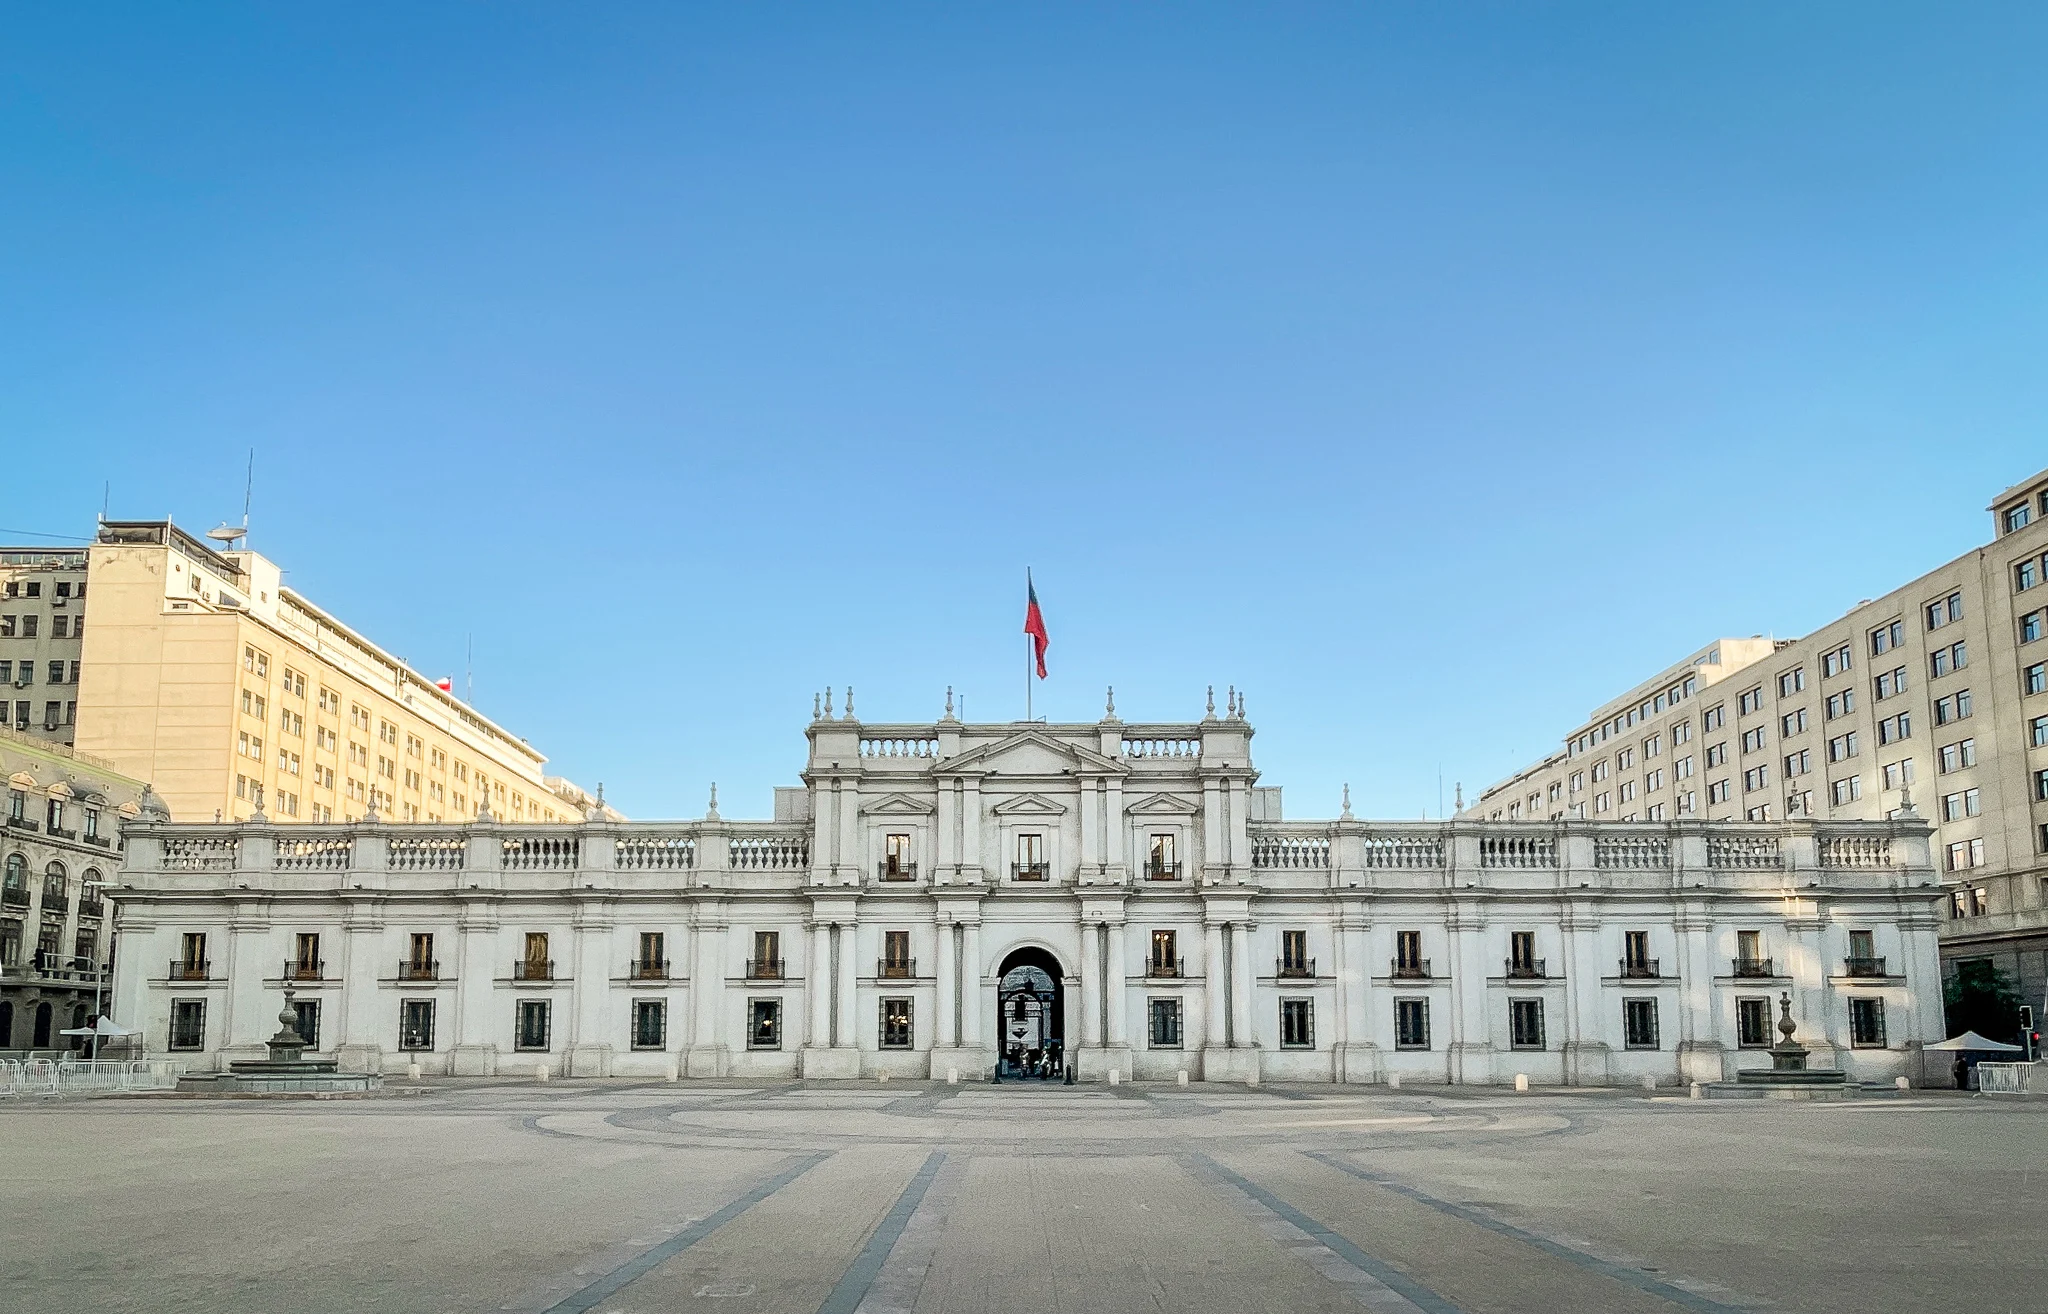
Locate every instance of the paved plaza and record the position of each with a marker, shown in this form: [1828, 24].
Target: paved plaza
[638, 1198]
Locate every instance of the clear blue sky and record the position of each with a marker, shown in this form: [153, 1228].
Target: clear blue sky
[695, 359]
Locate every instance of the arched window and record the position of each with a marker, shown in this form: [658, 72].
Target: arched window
[54, 882]
[17, 874]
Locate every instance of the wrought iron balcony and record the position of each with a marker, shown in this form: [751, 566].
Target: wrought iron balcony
[419, 969]
[23, 823]
[650, 969]
[533, 969]
[190, 969]
[1753, 967]
[896, 969]
[14, 898]
[1412, 969]
[1298, 968]
[1863, 967]
[1166, 969]
[890, 870]
[1162, 871]
[91, 908]
[304, 970]
[1029, 871]
[1526, 969]
[56, 833]
[56, 903]
[1640, 969]
[764, 969]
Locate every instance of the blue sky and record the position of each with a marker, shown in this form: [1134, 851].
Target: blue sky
[1433, 372]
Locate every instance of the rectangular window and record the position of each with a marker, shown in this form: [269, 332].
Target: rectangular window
[1892, 729]
[650, 1024]
[1846, 790]
[1753, 740]
[1842, 747]
[1753, 1023]
[1718, 792]
[1755, 778]
[1889, 684]
[1160, 864]
[1841, 704]
[1799, 763]
[306, 956]
[1792, 723]
[1294, 952]
[188, 1024]
[1965, 855]
[896, 1032]
[1791, 682]
[1714, 717]
[1887, 637]
[764, 1024]
[1717, 754]
[1866, 1023]
[1165, 1023]
[1955, 807]
[416, 1023]
[1750, 701]
[1957, 756]
[1525, 1023]
[1297, 1024]
[1030, 858]
[1408, 950]
[306, 1021]
[767, 960]
[1639, 1023]
[1898, 774]
[536, 962]
[531, 1031]
[896, 960]
[653, 960]
[1411, 1024]
[2015, 517]
[896, 861]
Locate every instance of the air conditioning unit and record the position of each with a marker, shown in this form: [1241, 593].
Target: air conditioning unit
[21, 682]
[60, 602]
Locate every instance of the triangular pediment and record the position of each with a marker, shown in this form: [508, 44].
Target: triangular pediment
[1029, 805]
[899, 805]
[1031, 753]
[1163, 805]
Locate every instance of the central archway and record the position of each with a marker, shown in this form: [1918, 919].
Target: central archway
[1031, 1016]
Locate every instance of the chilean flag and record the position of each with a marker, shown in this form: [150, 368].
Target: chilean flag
[1034, 624]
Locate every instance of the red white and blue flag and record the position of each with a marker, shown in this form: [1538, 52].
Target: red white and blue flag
[1034, 624]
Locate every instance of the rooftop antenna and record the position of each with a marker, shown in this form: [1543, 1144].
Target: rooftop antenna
[469, 668]
[226, 534]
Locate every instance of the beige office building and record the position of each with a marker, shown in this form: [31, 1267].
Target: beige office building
[1938, 690]
[201, 673]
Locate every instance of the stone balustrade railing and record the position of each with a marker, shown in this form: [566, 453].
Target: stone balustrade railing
[919, 746]
[1161, 748]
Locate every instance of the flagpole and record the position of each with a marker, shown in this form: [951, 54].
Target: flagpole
[1030, 652]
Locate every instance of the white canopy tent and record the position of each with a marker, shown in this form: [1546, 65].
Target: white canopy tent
[1973, 1043]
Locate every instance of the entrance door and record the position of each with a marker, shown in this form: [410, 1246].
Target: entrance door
[1030, 1017]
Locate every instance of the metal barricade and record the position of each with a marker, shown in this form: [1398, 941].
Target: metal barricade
[2007, 1078]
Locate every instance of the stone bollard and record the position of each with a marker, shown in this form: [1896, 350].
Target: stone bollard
[1394, 1081]
[1694, 1092]
[1115, 1076]
[540, 1072]
[675, 1070]
[1182, 1076]
[1521, 1083]
[412, 1072]
[882, 1077]
[952, 1076]
[1901, 1083]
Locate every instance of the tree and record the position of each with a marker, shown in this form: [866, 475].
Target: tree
[1982, 999]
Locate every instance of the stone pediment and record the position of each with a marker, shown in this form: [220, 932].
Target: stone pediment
[1163, 805]
[898, 805]
[1032, 753]
[1029, 805]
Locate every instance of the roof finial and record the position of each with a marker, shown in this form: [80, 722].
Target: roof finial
[1240, 707]
[849, 702]
[1230, 708]
[1906, 808]
[1109, 708]
[483, 806]
[949, 702]
[596, 811]
[828, 702]
[814, 707]
[1347, 800]
[370, 811]
[711, 813]
[1458, 795]
[1210, 714]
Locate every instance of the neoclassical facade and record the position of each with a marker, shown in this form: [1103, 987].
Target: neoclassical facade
[1117, 896]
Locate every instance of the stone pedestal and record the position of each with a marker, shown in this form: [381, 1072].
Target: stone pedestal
[820, 1062]
[1221, 1064]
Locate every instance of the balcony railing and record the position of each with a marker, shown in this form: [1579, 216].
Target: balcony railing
[1753, 967]
[650, 969]
[1412, 969]
[419, 969]
[23, 823]
[764, 969]
[14, 898]
[1640, 969]
[1863, 967]
[91, 908]
[888, 870]
[896, 969]
[533, 969]
[53, 967]
[56, 903]
[304, 970]
[1162, 871]
[1166, 969]
[57, 833]
[190, 969]
[1297, 968]
[1029, 871]
[1526, 969]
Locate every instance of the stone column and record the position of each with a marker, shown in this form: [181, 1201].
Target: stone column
[1471, 1038]
[708, 1056]
[946, 1018]
[1702, 1053]
[970, 986]
[1241, 1032]
[1215, 991]
[359, 1032]
[1115, 996]
[589, 1048]
[473, 1027]
[818, 985]
[1091, 986]
[970, 836]
[849, 1039]
[1358, 1054]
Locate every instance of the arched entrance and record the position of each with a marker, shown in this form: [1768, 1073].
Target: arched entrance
[1030, 1017]
[40, 1039]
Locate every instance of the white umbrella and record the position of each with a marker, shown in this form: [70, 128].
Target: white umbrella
[1972, 1042]
[100, 1027]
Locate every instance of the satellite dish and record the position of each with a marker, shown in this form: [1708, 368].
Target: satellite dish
[227, 533]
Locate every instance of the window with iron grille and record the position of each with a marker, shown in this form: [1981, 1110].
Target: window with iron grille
[531, 1031]
[188, 1024]
[1411, 1024]
[1525, 1023]
[306, 1021]
[650, 1024]
[896, 1032]
[416, 1024]
[1165, 1018]
[1866, 1023]
[764, 1024]
[1639, 1023]
[1297, 1024]
[1753, 1022]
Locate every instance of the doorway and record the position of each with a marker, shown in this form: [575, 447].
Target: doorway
[1031, 1017]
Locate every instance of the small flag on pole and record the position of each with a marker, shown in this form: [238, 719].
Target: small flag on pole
[1034, 624]
[446, 684]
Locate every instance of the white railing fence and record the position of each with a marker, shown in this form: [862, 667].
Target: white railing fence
[2010, 1078]
[49, 1077]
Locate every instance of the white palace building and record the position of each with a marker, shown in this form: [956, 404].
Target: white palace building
[1122, 898]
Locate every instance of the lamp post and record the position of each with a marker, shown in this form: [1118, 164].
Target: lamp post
[99, 976]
